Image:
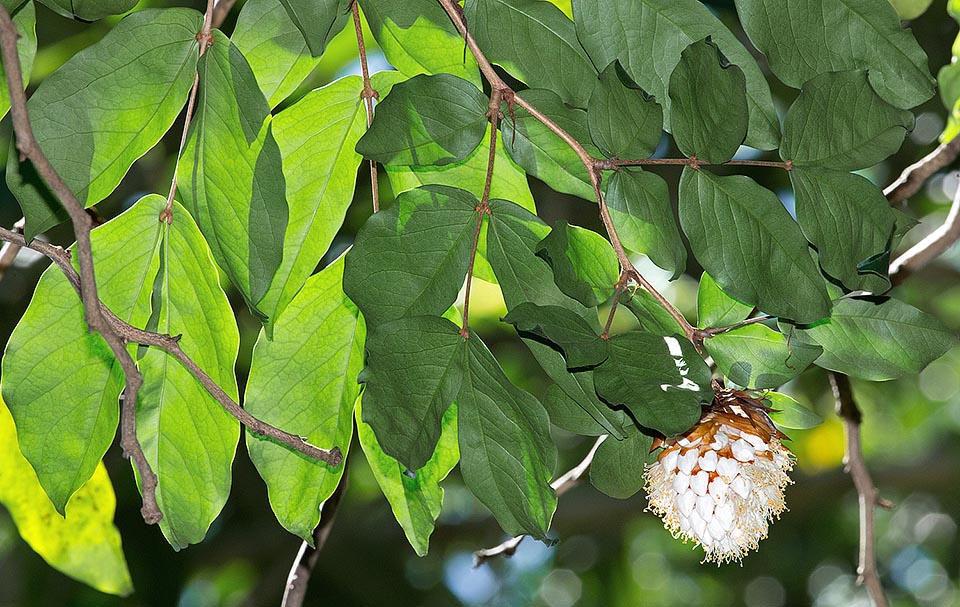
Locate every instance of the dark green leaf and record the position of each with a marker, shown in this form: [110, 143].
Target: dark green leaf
[618, 467]
[750, 245]
[651, 314]
[708, 97]
[90, 10]
[536, 43]
[788, 413]
[25, 20]
[647, 36]
[415, 367]
[661, 380]
[583, 262]
[639, 205]
[412, 258]
[624, 121]
[90, 143]
[567, 413]
[755, 356]
[507, 456]
[318, 20]
[717, 309]
[849, 221]
[581, 345]
[804, 40]
[426, 120]
[877, 338]
[838, 122]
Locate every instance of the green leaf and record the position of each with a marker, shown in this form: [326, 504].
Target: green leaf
[567, 413]
[304, 381]
[618, 467]
[624, 121]
[651, 314]
[661, 380]
[746, 240]
[231, 176]
[274, 47]
[84, 543]
[415, 367]
[717, 309]
[581, 345]
[316, 137]
[583, 262]
[535, 42]
[755, 356]
[838, 122]
[90, 143]
[647, 36]
[415, 499]
[877, 338]
[832, 36]
[25, 20]
[188, 438]
[417, 37]
[708, 97]
[541, 152]
[848, 220]
[507, 456]
[90, 10]
[318, 20]
[639, 205]
[788, 413]
[426, 120]
[908, 10]
[412, 258]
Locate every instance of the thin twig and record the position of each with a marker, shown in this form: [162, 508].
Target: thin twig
[220, 12]
[620, 287]
[615, 163]
[867, 492]
[931, 247]
[368, 95]
[9, 251]
[564, 483]
[914, 176]
[307, 557]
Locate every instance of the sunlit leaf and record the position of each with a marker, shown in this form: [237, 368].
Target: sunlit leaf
[788, 413]
[318, 20]
[717, 309]
[583, 263]
[755, 356]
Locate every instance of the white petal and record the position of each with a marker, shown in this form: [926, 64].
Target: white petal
[720, 440]
[718, 489]
[741, 486]
[684, 441]
[723, 514]
[755, 440]
[742, 450]
[715, 528]
[699, 525]
[686, 502]
[698, 482]
[705, 507]
[669, 460]
[728, 468]
[687, 461]
[680, 482]
[708, 461]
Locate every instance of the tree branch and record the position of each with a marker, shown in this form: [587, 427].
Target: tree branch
[612, 164]
[9, 251]
[563, 484]
[220, 12]
[931, 247]
[914, 176]
[368, 95]
[853, 457]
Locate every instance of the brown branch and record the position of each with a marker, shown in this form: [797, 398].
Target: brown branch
[914, 176]
[615, 163]
[564, 483]
[220, 12]
[9, 251]
[307, 557]
[620, 287]
[853, 457]
[931, 247]
[368, 95]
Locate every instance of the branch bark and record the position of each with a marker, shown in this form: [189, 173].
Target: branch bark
[368, 95]
[914, 176]
[935, 244]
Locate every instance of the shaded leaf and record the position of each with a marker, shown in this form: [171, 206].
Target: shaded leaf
[89, 10]
[789, 413]
[618, 467]
[567, 413]
[624, 121]
[756, 356]
[581, 345]
[651, 314]
[318, 20]
[583, 263]
[25, 20]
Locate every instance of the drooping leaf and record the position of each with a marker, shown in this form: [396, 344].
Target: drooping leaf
[415, 499]
[788, 413]
[535, 42]
[583, 263]
[755, 356]
[651, 314]
[804, 40]
[877, 338]
[639, 205]
[717, 309]
[507, 456]
[708, 100]
[304, 381]
[25, 20]
[145, 67]
[541, 152]
[426, 120]
[274, 47]
[624, 121]
[838, 122]
[581, 345]
[567, 413]
[84, 544]
[89, 10]
[618, 467]
[417, 37]
[661, 380]
[412, 258]
[318, 20]
[231, 175]
[647, 36]
[415, 366]
[749, 244]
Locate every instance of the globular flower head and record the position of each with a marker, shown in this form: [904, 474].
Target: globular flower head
[721, 483]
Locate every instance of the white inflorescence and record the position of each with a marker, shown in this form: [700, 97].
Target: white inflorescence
[721, 483]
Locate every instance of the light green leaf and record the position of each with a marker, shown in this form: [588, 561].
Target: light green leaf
[755, 356]
[624, 121]
[708, 100]
[838, 122]
[415, 499]
[717, 309]
[877, 338]
[581, 345]
[417, 37]
[145, 67]
[746, 240]
[536, 43]
[639, 205]
[318, 20]
[618, 467]
[848, 220]
[583, 263]
[507, 456]
[908, 10]
[805, 39]
[25, 20]
[647, 36]
[89, 10]
[304, 381]
[651, 314]
[426, 120]
[788, 413]
[230, 174]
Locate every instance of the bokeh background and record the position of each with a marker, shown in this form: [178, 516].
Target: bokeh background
[610, 552]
